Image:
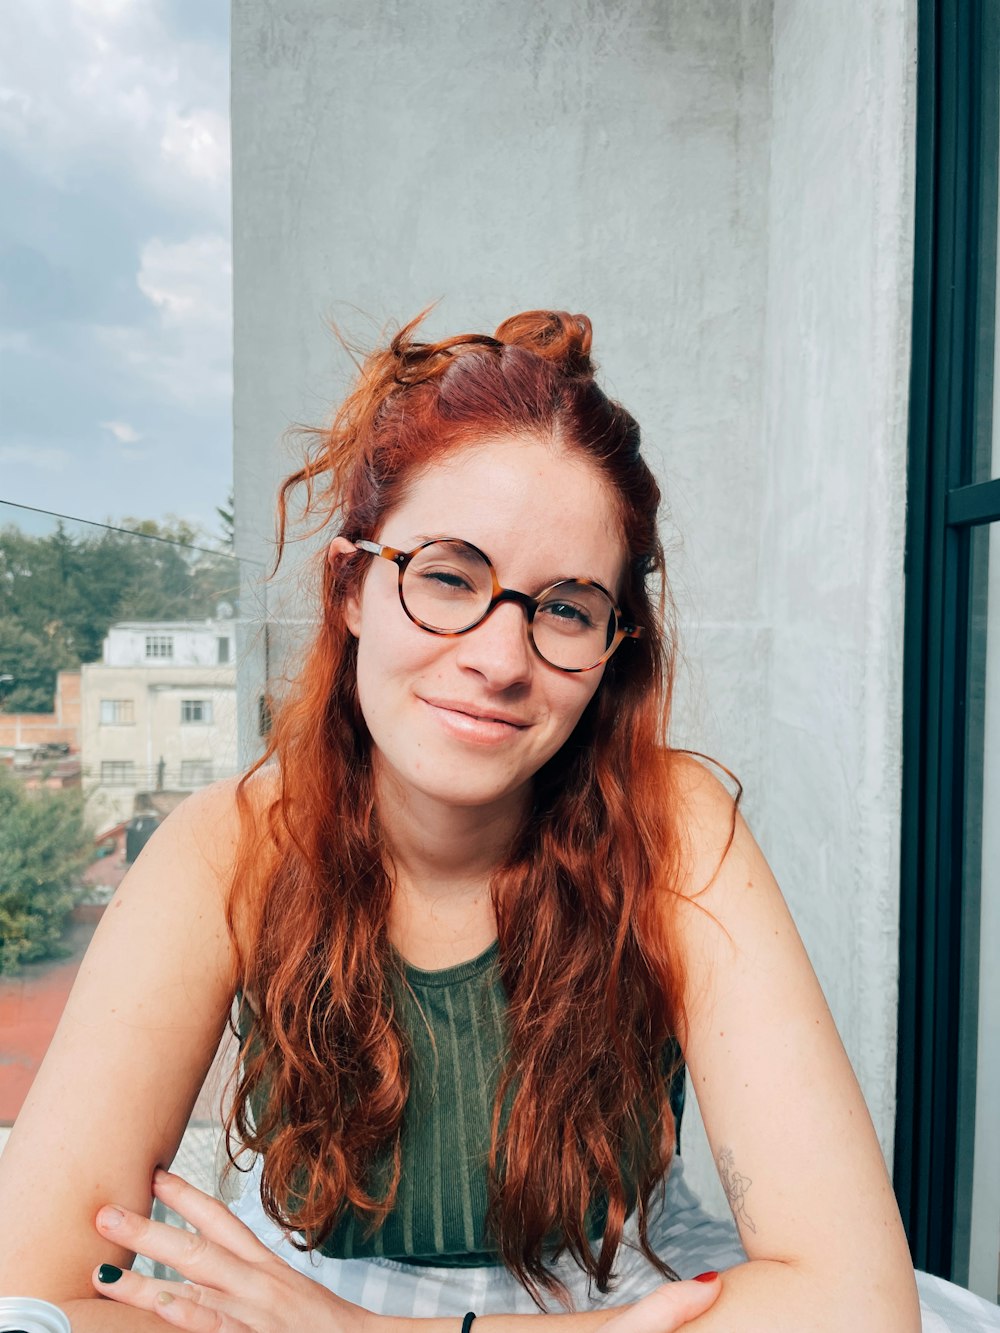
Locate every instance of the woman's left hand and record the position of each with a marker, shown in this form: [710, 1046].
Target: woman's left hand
[236, 1284]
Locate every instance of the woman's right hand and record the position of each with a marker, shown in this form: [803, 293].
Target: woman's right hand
[669, 1307]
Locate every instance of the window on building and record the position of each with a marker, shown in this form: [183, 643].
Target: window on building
[117, 712]
[117, 773]
[196, 772]
[160, 645]
[196, 710]
[223, 651]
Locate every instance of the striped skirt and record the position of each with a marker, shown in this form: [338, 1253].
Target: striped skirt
[687, 1237]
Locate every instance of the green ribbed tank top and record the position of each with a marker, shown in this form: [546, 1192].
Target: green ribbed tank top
[455, 1022]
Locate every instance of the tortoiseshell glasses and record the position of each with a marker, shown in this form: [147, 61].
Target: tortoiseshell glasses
[448, 586]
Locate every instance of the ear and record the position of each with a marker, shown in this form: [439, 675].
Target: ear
[338, 547]
[337, 550]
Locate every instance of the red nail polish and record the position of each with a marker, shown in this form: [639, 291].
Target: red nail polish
[706, 1277]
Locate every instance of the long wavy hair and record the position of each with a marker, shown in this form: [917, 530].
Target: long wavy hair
[583, 899]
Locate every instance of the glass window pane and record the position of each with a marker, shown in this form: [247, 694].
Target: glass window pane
[978, 1158]
[105, 638]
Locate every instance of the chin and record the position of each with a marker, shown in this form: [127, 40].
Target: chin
[466, 793]
[457, 782]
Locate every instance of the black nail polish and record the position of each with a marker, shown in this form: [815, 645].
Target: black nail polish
[108, 1273]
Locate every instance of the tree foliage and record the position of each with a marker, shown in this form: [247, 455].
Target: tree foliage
[31, 660]
[44, 845]
[60, 593]
[227, 517]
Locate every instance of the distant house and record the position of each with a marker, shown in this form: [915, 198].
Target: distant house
[158, 713]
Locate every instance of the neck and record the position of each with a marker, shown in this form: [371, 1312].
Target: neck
[445, 849]
[442, 859]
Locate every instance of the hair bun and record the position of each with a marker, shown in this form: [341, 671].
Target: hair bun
[554, 335]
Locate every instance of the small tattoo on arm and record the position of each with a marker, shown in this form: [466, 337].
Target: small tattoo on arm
[736, 1187]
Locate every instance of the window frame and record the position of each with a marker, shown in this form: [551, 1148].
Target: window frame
[117, 706]
[155, 646]
[206, 716]
[954, 299]
[129, 777]
[205, 773]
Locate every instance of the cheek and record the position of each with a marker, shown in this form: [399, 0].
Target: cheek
[391, 649]
[573, 699]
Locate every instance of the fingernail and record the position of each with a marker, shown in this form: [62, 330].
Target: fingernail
[109, 1218]
[108, 1273]
[163, 1298]
[159, 1176]
[706, 1277]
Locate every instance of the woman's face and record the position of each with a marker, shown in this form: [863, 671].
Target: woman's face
[468, 720]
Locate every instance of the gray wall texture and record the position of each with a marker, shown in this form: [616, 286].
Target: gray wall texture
[726, 189]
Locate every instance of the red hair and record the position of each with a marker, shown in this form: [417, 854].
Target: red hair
[582, 900]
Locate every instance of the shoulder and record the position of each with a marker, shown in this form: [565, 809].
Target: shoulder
[217, 837]
[208, 823]
[710, 830]
[758, 1035]
[727, 911]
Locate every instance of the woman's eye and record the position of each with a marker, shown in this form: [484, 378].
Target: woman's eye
[446, 578]
[568, 613]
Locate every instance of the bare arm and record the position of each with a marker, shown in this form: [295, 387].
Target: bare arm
[115, 1090]
[789, 1129]
[238, 1285]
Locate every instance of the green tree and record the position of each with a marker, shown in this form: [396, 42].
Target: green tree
[31, 661]
[44, 845]
[227, 517]
[60, 593]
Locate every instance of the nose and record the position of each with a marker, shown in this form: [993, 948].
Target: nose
[498, 649]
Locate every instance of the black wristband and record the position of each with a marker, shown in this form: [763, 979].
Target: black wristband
[467, 1321]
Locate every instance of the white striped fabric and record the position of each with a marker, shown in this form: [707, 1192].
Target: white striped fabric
[682, 1233]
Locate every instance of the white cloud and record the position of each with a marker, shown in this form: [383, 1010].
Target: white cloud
[198, 143]
[188, 352]
[103, 9]
[190, 280]
[15, 340]
[43, 457]
[102, 80]
[122, 431]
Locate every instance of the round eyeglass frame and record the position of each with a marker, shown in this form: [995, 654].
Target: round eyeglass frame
[623, 629]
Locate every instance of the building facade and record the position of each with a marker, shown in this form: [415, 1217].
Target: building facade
[158, 713]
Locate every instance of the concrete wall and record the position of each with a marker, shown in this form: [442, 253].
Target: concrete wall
[725, 189]
[387, 155]
[840, 223]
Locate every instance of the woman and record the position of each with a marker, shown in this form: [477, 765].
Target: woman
[469, 909]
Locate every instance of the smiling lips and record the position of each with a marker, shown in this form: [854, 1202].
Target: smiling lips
[466, 721]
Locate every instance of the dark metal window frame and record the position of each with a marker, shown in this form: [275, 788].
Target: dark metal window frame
[950, 409]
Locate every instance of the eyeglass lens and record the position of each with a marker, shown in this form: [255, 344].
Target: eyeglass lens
[447, 586]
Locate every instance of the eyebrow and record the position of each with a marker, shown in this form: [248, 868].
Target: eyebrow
[543, 583]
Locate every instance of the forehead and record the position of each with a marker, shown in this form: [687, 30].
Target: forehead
[531, 505]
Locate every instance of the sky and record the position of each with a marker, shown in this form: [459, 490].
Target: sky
[115, 261]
